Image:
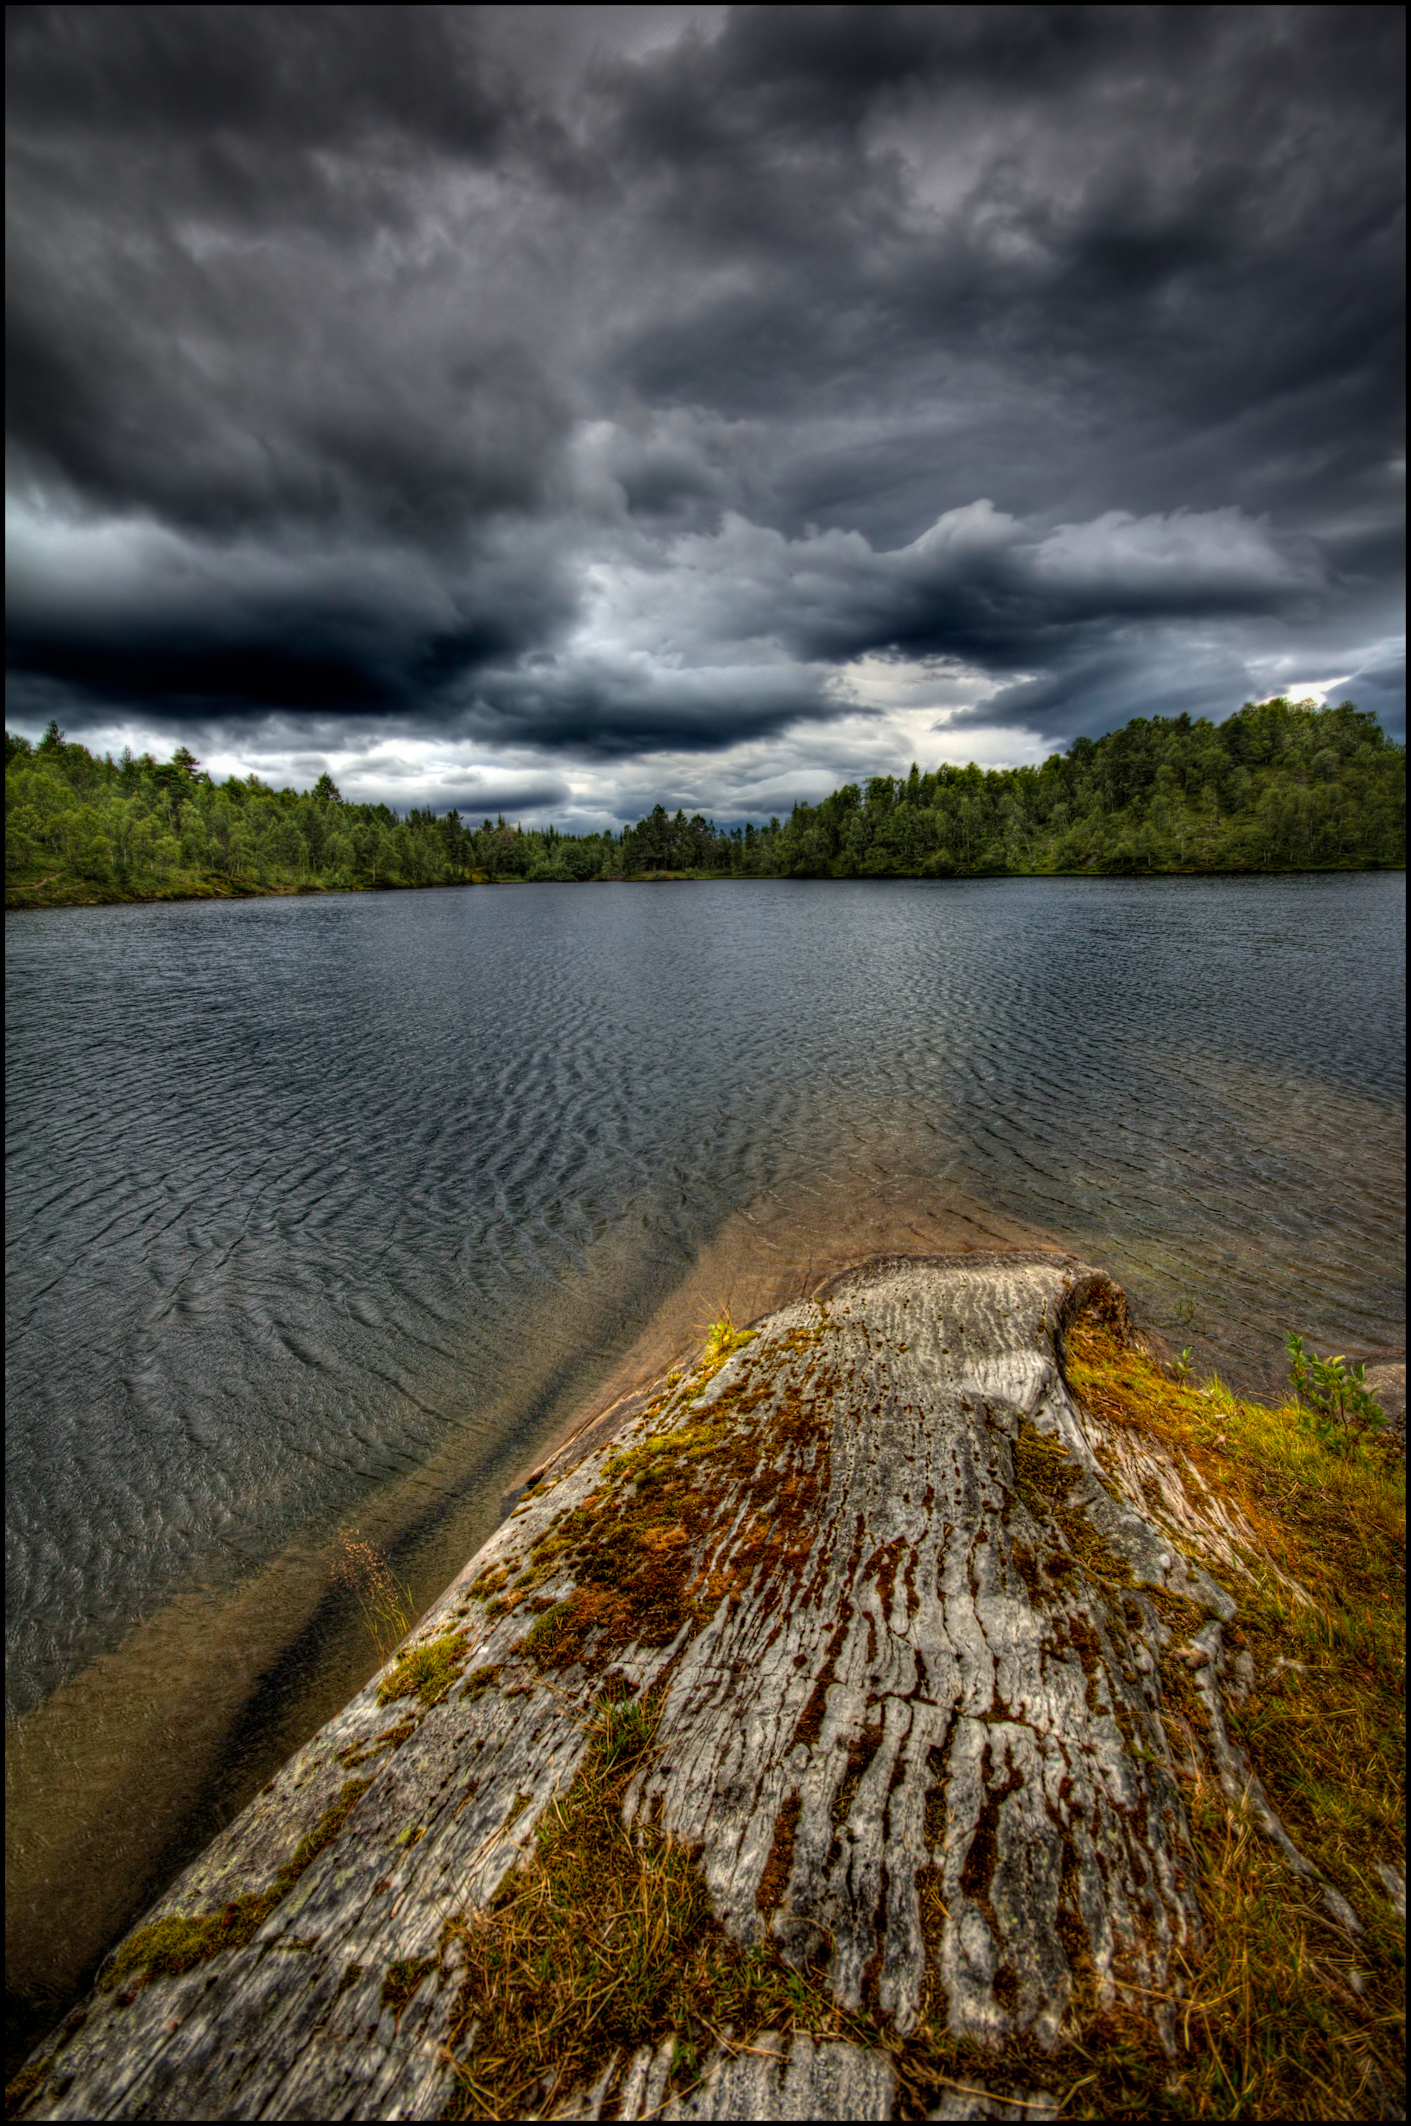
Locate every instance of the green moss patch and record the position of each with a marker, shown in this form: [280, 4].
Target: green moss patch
[22, 2086]
[426, 1670]
[640, 1553]
[402, 1980]
[1044, 1476]
[178, 1942]
[391, 1738]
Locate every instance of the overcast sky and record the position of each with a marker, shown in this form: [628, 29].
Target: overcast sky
[556, 410]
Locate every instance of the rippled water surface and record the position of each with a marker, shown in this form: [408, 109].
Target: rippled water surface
[325, 1212]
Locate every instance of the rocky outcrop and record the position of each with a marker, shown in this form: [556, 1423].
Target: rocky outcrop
[858, 1643]
[1386, 1380]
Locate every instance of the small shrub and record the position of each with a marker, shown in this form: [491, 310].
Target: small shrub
[1333, 1402]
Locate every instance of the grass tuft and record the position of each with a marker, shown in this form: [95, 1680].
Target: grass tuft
[722, 1338]
[426, 1671]
[384, 1603]
[602, 1941]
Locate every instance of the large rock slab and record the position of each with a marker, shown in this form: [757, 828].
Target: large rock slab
[908, 1646]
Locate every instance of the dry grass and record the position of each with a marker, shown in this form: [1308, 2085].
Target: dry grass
[385, 1604]
[1289, 2017]
[604, 1940]
[1285, 2018]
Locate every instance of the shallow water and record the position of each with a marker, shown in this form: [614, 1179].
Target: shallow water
[329, 1212]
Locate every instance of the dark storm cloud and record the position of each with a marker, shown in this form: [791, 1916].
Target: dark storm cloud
[1380, 685]
[141, 617]
[225, 304]
[1162, 266]
[609, 381]
[615, 708]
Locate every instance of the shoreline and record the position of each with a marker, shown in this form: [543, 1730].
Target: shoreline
[18, 900]
[659, 1357]
[743, 1275]
[781, 1248]
[72, 1743]
[915, 1367]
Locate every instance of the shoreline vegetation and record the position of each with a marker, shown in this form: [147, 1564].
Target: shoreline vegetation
[1279, 786]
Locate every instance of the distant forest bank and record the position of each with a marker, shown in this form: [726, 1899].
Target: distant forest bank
[1279, 786]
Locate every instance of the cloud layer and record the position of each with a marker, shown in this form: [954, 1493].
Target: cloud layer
[604, 404]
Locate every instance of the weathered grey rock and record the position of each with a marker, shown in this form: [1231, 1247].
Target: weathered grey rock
[1387, 1382]
[910, 1654]
[1395, 1886]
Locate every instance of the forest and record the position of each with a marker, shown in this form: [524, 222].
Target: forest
[1280, 785]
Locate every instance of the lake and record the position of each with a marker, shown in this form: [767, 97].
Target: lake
[326, 1214]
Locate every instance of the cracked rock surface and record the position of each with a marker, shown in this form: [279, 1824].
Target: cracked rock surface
[911, 1641]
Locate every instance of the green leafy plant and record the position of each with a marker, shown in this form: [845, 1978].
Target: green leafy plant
[1181, 1365]
[1336, 1403]
[722, 1337]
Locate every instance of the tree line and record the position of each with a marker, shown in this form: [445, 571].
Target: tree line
[1280, 785]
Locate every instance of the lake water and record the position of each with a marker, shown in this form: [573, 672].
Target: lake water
[327, 1213]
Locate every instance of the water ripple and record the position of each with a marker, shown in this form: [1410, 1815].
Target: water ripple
[295, 1187]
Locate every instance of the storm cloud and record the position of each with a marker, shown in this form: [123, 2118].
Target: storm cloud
[601, 404]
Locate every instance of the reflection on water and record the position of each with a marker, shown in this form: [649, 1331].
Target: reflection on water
[334, 1211]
